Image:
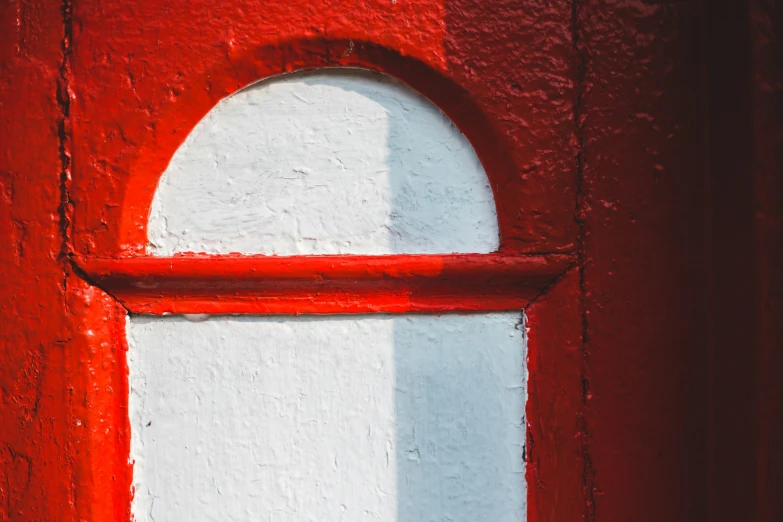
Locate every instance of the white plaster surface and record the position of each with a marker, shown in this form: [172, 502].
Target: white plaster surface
[363, 418]
[338, 161]
[406, 418]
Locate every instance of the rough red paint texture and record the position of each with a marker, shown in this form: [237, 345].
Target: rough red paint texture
[62, 395]
[557, 434]
[642, 202]
[36, 461]
[589, 118]
[500, 69]
[144, 73]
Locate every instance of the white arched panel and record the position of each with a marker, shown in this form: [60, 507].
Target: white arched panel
[332, 418]
[326, 162]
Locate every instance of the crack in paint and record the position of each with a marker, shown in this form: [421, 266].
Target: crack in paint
[64, 127]
[580, 74]
[63, 98]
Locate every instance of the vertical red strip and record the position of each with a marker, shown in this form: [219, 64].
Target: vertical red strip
[63, 434]
[98, 396]
[36, 454]
[642, 205]
[557, 436]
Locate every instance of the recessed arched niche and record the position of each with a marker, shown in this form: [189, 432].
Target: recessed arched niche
[325, 162]
[394, 417]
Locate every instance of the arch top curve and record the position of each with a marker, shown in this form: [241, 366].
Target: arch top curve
[111, 211]
[335, 161]
[152, 157]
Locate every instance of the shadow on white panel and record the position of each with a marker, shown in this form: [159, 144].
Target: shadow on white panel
[392, 418]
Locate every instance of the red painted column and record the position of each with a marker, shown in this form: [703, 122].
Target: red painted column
[642, 212]
[63, 434]
[36, 457]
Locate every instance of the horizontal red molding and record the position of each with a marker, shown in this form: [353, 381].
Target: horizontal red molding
[200, 283]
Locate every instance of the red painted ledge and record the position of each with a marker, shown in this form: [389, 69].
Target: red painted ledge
[224, 284]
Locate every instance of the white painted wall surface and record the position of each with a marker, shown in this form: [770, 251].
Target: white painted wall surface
[341, 161]
[391, 418]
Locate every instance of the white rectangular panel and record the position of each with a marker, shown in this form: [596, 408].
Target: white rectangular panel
[395, 418]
